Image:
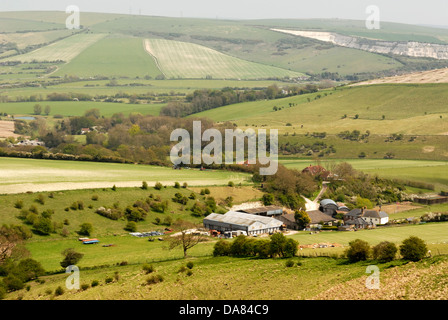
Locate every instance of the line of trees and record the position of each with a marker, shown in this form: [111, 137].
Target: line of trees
[201, 100]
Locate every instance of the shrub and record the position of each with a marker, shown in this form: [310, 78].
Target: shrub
[94, 283]
[158, 186]
[59, 291]
[109, 280]
[231, 184]
[40, 199]
[189, 273]
[289, 263]
[185, 185]
[144, 185]
[358, 250]
[148, 268]
[413, 249]
[95, 197]
[190, 265]
[86, 229]
[85, 286]
[176, 185]
[385, 251]
[131, 226]
[154, 279]
[18, 204]
[221, 248]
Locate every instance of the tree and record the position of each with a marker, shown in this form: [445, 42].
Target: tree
[186, 237]
[385, 251]
[302, 218]
[47, 110]
[277, 245]
[37, 109]
[71, 257]
[358, 250]
[86, 229]
[413, 248]
[10, 239]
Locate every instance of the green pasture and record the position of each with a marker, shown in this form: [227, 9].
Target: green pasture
[21, 175]
[78, 108]
[112, 57]
[407, 109]
[432, 172]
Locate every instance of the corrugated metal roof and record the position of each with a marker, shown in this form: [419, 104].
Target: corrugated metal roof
[241, 218]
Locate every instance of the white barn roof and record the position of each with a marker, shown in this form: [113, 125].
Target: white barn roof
[242, 219]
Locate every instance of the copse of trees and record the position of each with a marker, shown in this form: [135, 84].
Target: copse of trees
[242, 246]
[201, 100]
[412, 249]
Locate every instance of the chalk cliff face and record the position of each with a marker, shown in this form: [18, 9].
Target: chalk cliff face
[412, 49]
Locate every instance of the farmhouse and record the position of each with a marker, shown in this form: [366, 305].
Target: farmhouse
[264, 211]
[239, 221]
[317, 218]
[362, 217]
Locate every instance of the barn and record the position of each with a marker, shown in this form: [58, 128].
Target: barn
[239, 221]
[264, 211]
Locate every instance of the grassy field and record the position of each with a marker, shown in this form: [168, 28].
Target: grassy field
[78, 108]
[112, 57]
[407, 109]
[186, 60]
[21, 175]
[413, 170]
[64, 50]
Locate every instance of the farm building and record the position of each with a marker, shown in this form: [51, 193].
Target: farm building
[331, 208]
[317, 218]
[317, 171]
[431, 200]
[371, 216]
[234, 221]
[264, 211]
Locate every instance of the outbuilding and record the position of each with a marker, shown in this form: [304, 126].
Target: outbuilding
[234, 221]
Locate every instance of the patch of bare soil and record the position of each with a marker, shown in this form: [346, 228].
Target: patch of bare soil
[7, 129]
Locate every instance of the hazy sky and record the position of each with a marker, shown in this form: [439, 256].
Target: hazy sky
[431, 12]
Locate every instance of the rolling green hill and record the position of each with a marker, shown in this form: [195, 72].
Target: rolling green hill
[408, 109]
[185, 60]
[112, 57]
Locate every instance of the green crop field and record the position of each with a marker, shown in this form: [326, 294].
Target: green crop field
[186, 60]
[64, 50]
[21, 175]
[112, 57]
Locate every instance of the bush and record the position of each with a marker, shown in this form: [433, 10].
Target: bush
[59, 291]
[190, 265]
[109, 280]
[231, 184]
[84, 286]
[94, 283]
[176, 185]
[95, 197]
[158, 186]
[154, 279]
[18, 204]
[144, 185]
[289, 263]
[221, 248]
[358, 250]
[131, 226]
[413, 249]
[148, 268]
[385, 251]
[86, 229]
